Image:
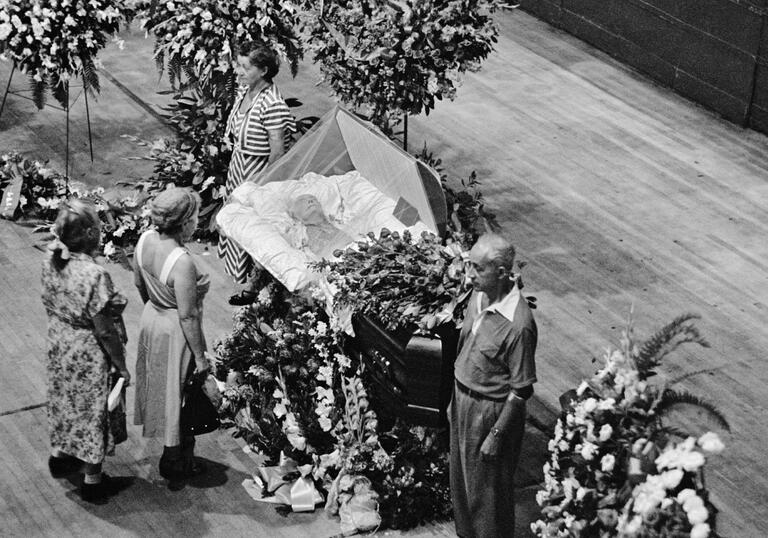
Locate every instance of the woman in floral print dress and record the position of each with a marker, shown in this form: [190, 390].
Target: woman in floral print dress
[83, 344]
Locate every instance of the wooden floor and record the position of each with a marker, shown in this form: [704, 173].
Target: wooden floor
[618, 193]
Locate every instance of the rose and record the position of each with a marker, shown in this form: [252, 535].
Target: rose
[588, 450]
[605, 432]
[607, 463]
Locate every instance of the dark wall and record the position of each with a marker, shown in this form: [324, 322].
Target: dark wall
[712, 51]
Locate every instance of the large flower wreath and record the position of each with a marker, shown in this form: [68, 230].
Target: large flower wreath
[55, 41]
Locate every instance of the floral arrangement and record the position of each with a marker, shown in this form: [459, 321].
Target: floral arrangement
[406, 468]
[40, 190]
[54, 42]
[283, 359]
[197, 39]
[43, 190]
[292, 391]
[403, 282]
[398, 56]
[615, 467]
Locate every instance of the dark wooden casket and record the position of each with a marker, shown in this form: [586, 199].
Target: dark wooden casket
[412, 374]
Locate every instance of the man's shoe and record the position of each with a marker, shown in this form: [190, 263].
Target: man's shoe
[62, 466]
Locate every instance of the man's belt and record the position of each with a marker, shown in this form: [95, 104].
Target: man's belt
[477, 395]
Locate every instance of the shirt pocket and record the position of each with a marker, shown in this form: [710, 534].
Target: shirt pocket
[486, 359]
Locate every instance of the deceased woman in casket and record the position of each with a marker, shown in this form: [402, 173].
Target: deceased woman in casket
[284, 225]
[310, 228]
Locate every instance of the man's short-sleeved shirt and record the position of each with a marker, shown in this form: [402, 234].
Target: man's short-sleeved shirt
[497, 345]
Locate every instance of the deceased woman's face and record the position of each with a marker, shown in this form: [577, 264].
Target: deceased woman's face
[307, 209]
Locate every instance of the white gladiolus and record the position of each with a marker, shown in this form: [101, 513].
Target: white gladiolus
[607, 463]
[582, 388]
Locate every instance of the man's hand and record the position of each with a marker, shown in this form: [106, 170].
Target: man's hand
[126, 376]
[491, 447]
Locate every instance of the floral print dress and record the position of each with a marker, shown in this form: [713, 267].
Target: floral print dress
[77, 366]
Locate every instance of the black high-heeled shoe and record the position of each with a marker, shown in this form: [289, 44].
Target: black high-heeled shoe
[243, 298]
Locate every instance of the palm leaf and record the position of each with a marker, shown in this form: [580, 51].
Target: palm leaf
[673, 398]
[38, 91]
[666, 340]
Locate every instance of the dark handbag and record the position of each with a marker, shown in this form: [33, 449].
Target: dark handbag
[117, 422]
[198, 414]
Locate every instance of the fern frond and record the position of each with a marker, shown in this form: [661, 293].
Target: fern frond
[159, 58]
[674, 398]
[60, 91]
[666, 340]
[38, 92]
[90, 77]
[674, 432]
[678, 379]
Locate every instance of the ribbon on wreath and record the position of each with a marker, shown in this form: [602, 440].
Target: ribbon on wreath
[12, 193]
[287, 483]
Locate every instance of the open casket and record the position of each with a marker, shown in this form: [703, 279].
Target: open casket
[340, 181]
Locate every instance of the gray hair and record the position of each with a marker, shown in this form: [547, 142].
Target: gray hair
[500, 249]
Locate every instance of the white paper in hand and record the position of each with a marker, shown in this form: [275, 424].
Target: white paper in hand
[114, 396]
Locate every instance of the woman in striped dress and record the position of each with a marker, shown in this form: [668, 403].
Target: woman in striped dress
[258, 128]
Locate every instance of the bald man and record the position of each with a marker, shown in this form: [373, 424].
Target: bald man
[494, 376]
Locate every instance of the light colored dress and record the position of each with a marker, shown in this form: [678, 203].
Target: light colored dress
[164, 358]
[77, 366]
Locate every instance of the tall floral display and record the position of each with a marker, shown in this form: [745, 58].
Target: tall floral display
[396, 57]
[619, 465]
[57, 42]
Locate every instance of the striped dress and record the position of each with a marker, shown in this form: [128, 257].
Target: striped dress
[249, 134]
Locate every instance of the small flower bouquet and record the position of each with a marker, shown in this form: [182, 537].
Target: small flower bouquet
[615, 467]
[54, 41]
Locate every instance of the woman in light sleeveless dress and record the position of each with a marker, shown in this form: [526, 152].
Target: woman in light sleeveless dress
[171, 340]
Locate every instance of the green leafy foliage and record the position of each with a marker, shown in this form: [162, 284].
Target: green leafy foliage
[468, 218]
[395, 57]
[405, 282]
